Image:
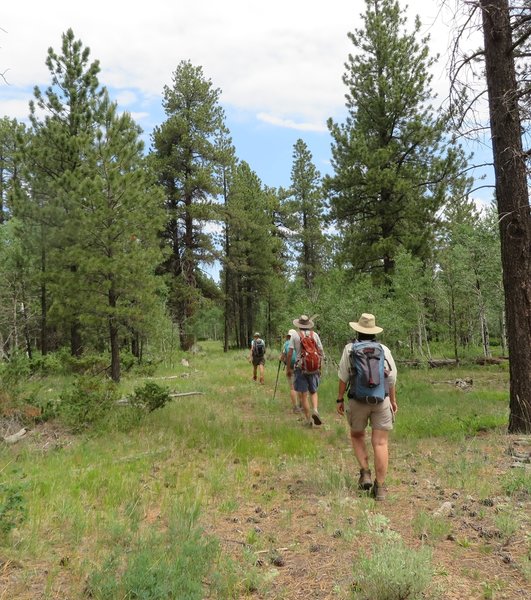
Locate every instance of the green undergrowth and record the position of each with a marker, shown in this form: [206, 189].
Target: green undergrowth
[125, 503]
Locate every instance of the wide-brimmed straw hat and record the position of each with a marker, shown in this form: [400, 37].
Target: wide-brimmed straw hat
[366, 324]
[303, 322]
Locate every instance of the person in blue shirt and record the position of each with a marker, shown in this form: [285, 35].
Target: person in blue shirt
[294, 396]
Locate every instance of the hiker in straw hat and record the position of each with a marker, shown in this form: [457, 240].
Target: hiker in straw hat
[307, 370]
[375, 403]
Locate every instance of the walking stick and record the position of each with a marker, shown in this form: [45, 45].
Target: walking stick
[276, 382]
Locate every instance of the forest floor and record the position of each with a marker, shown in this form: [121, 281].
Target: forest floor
[296, 522]
[482, 551]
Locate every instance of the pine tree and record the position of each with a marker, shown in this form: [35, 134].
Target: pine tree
[391, 161]
[186, 157]
[252, 265]
[56, 160]
[306, 209]
[11, 138]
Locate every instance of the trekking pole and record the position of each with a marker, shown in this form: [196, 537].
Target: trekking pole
[276, 382]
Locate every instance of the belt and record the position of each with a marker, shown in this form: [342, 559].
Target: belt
[368, 399]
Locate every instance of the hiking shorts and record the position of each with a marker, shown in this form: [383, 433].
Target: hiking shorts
[379, 415]
[305, 383]
[258, 360]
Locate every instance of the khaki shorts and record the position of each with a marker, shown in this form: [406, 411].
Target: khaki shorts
[359, 414]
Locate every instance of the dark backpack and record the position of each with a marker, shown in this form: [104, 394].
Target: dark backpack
[258, 348]
[310, 355]
[367, 371]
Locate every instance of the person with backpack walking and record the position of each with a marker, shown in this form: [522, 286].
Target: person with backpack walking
[307, 369]
[293, 394]
[368, 371]
[257, 356]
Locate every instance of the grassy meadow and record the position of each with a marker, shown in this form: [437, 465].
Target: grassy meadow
[226, 495]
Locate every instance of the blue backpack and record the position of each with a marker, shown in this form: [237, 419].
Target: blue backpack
[367, 372]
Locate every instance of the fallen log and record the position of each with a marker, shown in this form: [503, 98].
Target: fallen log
[490, 360]
[127, 401]
[435, 363]
[15, 437]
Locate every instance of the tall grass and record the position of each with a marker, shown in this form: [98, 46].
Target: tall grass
[126, 503]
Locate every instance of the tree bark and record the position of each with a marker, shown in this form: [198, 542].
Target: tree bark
[513, 205]
[113, 337]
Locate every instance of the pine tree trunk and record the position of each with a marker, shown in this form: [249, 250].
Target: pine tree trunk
[513, 205]
[113, 337]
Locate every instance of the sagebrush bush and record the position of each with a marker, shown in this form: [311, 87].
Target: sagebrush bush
[160, 565]
[392, 572]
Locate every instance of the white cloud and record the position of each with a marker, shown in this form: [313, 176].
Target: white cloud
[289, 123]
[15, 108]
[281, 57]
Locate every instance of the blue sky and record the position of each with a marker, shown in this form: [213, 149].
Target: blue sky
[278, 63]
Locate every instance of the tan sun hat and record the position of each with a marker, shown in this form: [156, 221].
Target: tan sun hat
[256, 334]
[291, 332]
[304, 322]
[366, 324]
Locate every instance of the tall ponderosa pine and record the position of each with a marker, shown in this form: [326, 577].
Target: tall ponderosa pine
[252, 264]
[512, 191]
[56, 159]
[186, 157]
[305, 207]
[118, 249]
[390, 159]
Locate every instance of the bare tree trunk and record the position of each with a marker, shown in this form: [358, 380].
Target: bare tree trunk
[113, 336]
[513, 205]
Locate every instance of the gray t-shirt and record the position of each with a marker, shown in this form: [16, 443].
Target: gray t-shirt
[344, 364]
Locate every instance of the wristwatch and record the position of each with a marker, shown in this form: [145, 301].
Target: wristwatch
[339, 400]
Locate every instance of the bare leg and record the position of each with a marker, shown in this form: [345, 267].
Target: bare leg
[315, 400]
[261, 368]
[379, 441]
[357, 439]
[292, 393]
[305, 404]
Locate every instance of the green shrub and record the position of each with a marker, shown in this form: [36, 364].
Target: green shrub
[150, 396]
[86, 402]
[392, 572]
[15, 370]
[13, 509]
[49, 364]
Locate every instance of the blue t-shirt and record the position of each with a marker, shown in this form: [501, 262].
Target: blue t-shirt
[293, 356]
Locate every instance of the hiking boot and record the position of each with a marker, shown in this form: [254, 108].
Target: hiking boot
[365, 480]
[254, 378]
[316, 418]
[308, 423]
[297, 409]
[261, 381]
[379, 491]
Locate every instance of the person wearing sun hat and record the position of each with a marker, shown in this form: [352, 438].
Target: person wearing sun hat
[305, 382]
[359, 413]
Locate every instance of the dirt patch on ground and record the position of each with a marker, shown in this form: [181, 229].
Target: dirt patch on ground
[304, 535]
